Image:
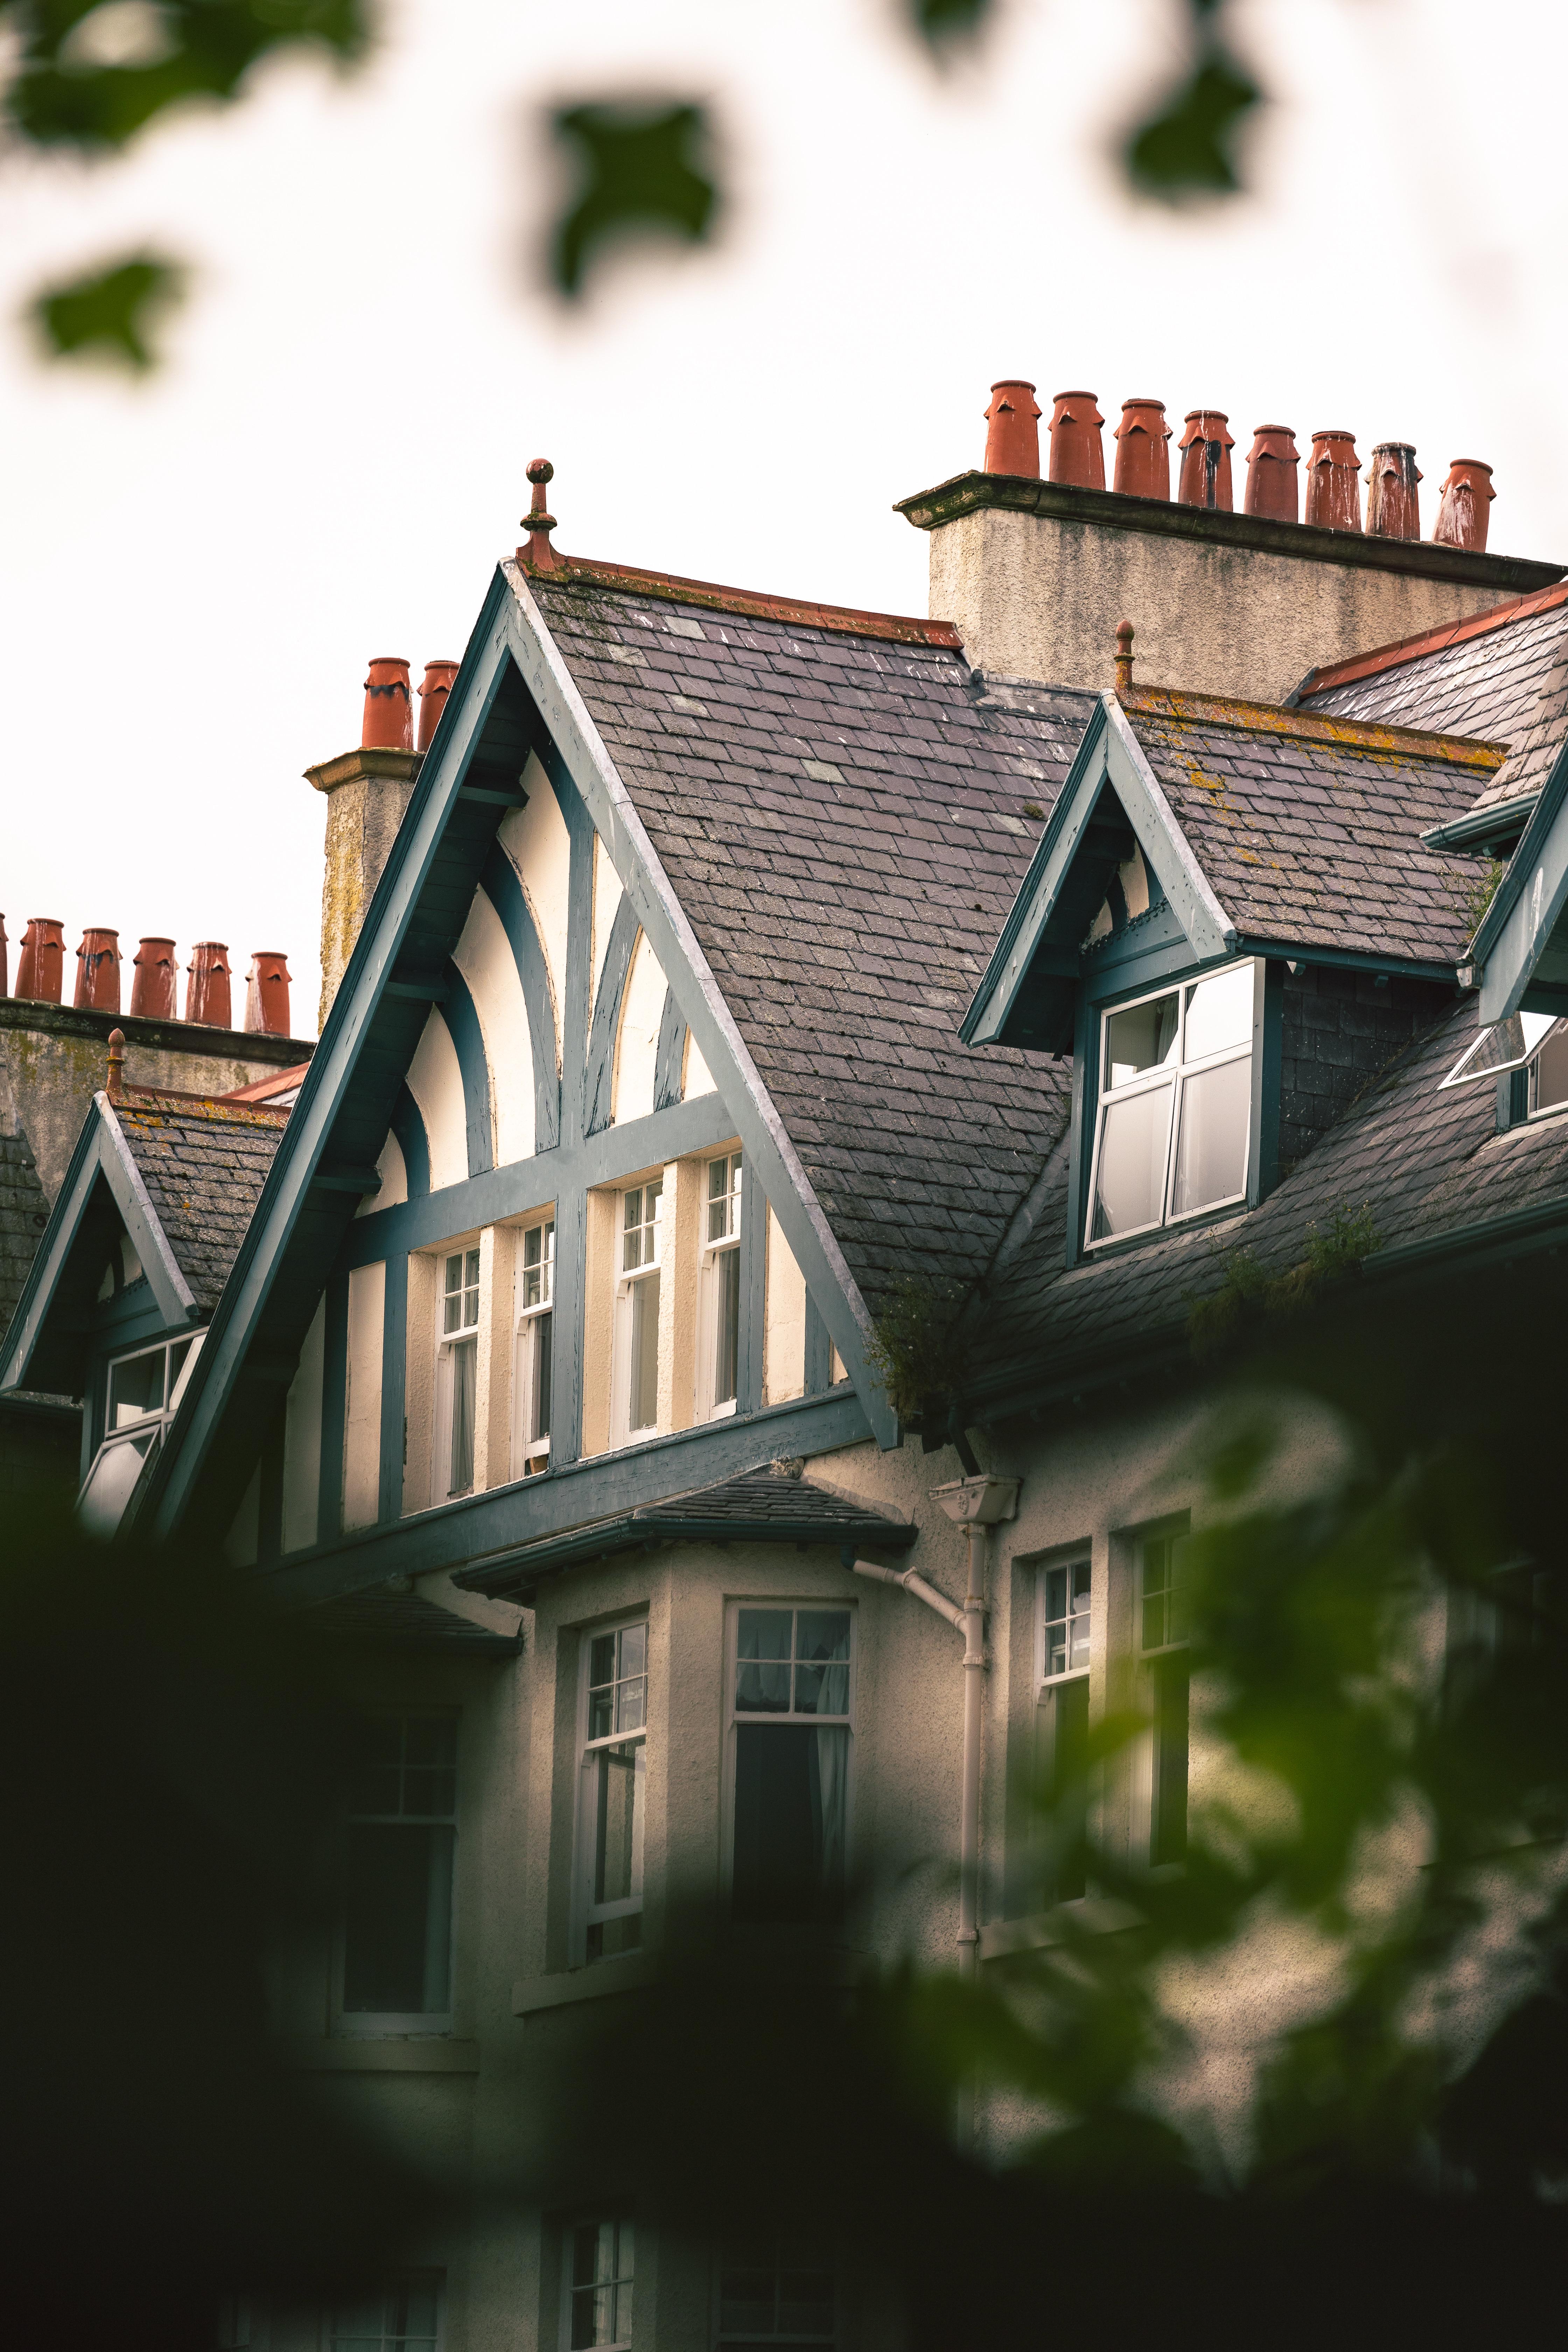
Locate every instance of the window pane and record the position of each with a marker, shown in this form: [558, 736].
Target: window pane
[398, 1919]
[1067, 1619]
[411, 2315]
[135, 1388]
[544, 1338]
[1067, 1731]
[761, 1686]
[618, 1776]
[465, 1367]
[727, 1330]
[430, 1765]
[1130, 1182]
[1140, 1039]
[791, 1784]
[1548, 1072]
[822, 1688]
[1219, 1014]
[1164, 1595]
[642, 1405]
[376, 1785]
[1168, 1829]
[1502, 1047]
[1211, 1149]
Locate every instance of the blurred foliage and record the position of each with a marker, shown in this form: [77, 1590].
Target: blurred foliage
[1186, 147]
[111, 314]
[642, 171]
[1247, 1292]
[941, 23]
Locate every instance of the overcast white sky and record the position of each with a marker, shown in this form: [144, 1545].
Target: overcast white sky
[193, 573]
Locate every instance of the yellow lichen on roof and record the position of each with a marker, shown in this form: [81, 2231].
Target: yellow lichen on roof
[1312, 726]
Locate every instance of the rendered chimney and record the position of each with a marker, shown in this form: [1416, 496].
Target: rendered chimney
[267, 994]
[1272, 464]
[388, 712]
[1078, 454]
[1013, 439]
[1465, 507]
[154, 975]
[1393, 502]
[41, 968]
[98, 972]
[206, 985]
[1142, 454]
[436, 686]
[1205, 448]
[1334, 481]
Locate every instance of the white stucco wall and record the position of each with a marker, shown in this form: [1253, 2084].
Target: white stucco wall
[536, 840]
[362, 1416]
[303, 1439]
[484, 956]
[393, 1179]
[636, 1046]
[436, 1083]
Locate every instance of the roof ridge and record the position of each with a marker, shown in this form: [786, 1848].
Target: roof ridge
[848, 619]
[1311, 725]
[1400, 650]
[223, 1110]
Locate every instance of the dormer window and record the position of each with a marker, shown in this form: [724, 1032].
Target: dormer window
[143, 1396]
[1533, 1044]
[1174, 1113]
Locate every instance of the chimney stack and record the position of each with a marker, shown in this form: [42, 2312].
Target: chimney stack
[1078, 454]
[1393, 503]
[154, 975]
[1013, 439]
[267, 994]
[98, 972]
[436, 686]
[1143, 452]
[389, 710]
[1205, 448]
[206, 985]
[40, 972]
[1334, 481]
[1466, 506]
[1272, 464]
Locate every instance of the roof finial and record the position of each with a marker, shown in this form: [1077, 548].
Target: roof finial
[1124, 656]
[539, 555]
[116, 1066]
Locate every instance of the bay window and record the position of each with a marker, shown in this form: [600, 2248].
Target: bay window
[637, 1310]
[719, 1287]
[1174, 1112]
[534, 1306]
[456, 1373]
[789, 1734]
[142, 1394]
[612, 1776]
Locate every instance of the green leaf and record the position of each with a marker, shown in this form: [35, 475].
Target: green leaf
[90, 76]
[941, 23]
[641, 170]
[111, 315]
[1185, 149]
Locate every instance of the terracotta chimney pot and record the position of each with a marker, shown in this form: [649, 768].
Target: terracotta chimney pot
[1142, 454]
[388, 712]
[40, 972]
[1462, 515]
[1272, 464]
[206, 985]
[153, 977]
[267, 994]
[436, 686]
[98, 972]
[1078, 454]
[1392, 505]
[1205, 448]
[1334, 481]
[1012, 440]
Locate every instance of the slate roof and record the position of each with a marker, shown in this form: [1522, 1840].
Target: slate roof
[23, 1213]
[1307, 829]
[1502, 675]
[843, 815]
[1425, 1162]
[763, 1506]
[401, 1621]
[204, 1161]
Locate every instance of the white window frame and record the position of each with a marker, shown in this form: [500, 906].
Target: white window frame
[150, 1424]
[585, 1913]
[626, 1279]
[467, 1335]
[714, 1247]
[734, 1720]
[617, 2218]
[530, 1455]
[1149, 1659]
[1050, 1686]
[1513, 1044]
[1175, 1074]
[374, 2023]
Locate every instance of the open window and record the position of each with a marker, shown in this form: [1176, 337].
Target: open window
[142, 1394]
[719, 1291]
[456, 1373]
[535, 1312]
[1533, 1042]
[637, 1307]
[1174, 1120]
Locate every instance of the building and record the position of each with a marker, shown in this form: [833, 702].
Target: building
[728, 973]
